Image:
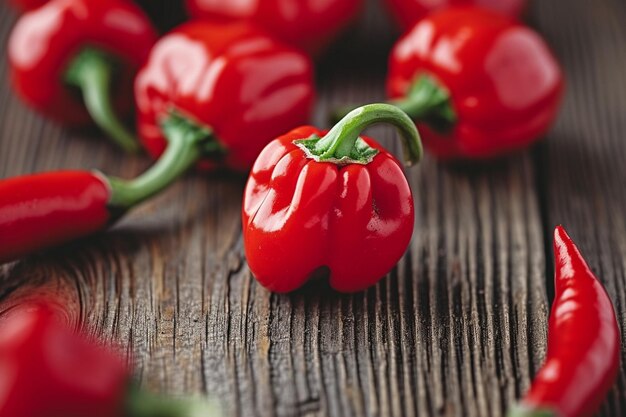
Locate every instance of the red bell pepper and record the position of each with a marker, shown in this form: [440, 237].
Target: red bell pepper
[583, 342]
[231, 79]
[330, 200]
[310, 25]
[408, 12]
[47, 370]
[25, 5]
[91, 47]
[49, 209]
[478, 84]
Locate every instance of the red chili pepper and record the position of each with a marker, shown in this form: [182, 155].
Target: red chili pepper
[25, 5]
[47, 370]
[408, 12]
[40, 210]
[583, 342]
[478, 84]
[93, 47]
[45, 210]
[317, 200]
[236, 81]
[310, 25]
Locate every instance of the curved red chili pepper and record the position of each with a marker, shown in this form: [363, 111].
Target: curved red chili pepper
[38, 211]
[48, 370]
[408, 12]
[49, 209]
[329, 199]
[583, 342]
[310, 25]
[91, 46]
[478, 84]
[236, 81]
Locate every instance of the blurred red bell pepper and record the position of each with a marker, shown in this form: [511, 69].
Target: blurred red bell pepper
[479, 84]
[72, 54]
[231, 79]
[310, 25]
[334, 200]
[48, 370]
[408, 12]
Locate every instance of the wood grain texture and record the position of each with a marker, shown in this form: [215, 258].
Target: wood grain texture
[457, 329]
[583, 164]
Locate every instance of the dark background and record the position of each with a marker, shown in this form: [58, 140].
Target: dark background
[457, 329]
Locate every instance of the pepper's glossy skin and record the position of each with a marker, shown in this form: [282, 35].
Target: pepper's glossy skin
[408, 12]
[46, 370]
[232, 78]
[300, 215]
[25, 5]
[583, 340]
[39, 211]
[504, 83]
[310, 25]
[45, 40]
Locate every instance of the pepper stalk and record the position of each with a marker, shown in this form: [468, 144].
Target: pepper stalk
[343, 145]
[188, 141]
[92, 71]
[427, 101]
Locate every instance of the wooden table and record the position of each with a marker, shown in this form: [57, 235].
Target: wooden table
[457, 329]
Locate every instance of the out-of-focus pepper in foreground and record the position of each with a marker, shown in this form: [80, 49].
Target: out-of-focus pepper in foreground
[48, 370]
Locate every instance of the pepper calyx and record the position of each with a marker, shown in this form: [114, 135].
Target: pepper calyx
[343, 145]
[429, 101]
[92, 71]
[361, 153]
[188, 141]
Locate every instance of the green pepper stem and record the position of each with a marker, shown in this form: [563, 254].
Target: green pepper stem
[521, 410]
[342, 142]
[187, 142]
[143, 404]
[426, 101]
[91, 71]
